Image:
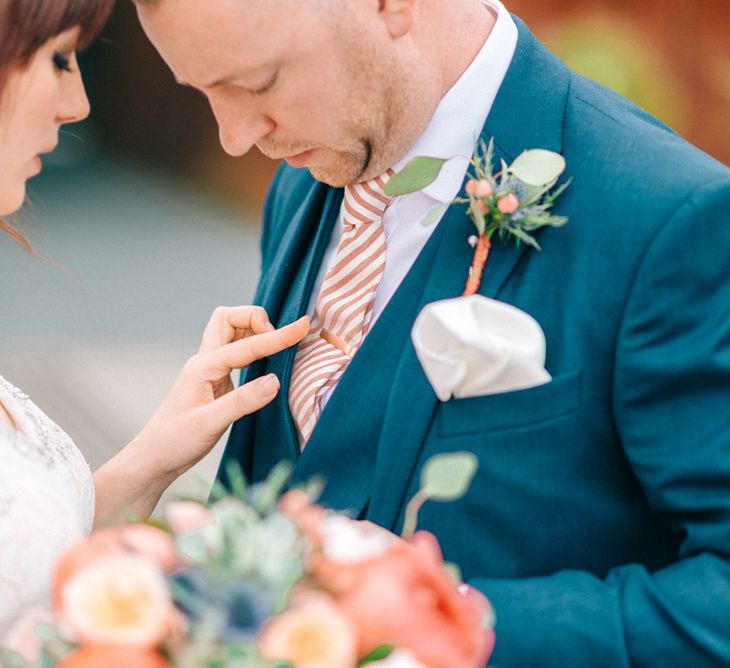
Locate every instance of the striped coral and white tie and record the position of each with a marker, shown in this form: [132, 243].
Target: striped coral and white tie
[345, 303]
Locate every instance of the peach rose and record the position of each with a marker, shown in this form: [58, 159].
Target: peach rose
[99, 544]
[120, 600]
[143, 540]
[408, 599]
[95, 656]
[314, 634]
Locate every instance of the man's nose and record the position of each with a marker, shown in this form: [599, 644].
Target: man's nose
[73, 104]
[240, 128]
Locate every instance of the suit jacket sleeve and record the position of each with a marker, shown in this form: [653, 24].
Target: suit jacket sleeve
[672, 413]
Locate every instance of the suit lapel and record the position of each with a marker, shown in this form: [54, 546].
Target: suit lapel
[528, 113]
[285, 282]
[294, 272]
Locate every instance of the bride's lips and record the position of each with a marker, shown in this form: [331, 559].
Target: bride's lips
[300, 159]
[37, 162]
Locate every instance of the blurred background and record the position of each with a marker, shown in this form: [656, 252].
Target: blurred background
[148, 225]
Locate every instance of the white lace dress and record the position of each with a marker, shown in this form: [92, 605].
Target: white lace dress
[46, 503]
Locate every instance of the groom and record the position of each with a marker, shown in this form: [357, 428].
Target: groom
[599, 521]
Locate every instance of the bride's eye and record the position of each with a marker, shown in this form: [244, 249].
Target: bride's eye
[62, 62]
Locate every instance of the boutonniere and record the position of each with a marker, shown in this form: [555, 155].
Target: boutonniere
[511, 203]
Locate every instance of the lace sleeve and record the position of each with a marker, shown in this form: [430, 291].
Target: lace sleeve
[46, 503]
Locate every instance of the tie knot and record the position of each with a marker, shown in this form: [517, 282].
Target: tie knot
[366, 202]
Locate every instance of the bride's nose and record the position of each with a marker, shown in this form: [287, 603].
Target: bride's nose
[74, 104]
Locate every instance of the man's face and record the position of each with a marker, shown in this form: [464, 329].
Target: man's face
[319, 83]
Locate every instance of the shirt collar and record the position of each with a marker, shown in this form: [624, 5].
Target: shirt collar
[460, 116]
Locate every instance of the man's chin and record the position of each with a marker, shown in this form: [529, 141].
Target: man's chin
[338, 174]
[332, 168]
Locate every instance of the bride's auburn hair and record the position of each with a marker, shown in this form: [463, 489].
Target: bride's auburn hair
[26, 25]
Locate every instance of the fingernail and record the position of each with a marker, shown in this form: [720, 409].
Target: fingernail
[270, 327]
[268, 385]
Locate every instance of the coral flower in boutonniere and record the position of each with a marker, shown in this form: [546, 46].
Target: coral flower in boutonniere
[513, 202]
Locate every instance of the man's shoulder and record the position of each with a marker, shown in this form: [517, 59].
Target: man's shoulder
[632, 174]
[620, 144]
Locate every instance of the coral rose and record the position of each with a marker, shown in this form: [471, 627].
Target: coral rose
[121, 599]
[95, 656]
[313, 634]
[407, 598]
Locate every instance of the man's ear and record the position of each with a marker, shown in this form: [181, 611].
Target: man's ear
[398, 16]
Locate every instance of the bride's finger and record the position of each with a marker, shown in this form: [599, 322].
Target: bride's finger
[232, 323]
[240, 354]
[242, 401]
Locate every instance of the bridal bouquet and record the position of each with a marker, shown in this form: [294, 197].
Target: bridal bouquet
[258, 579]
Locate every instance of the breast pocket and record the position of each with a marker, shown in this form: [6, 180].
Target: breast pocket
[511, 410]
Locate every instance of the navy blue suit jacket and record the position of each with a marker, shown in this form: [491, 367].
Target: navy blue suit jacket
[599, 520]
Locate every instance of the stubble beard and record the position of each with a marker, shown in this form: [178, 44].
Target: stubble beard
[372, 121]
[376, 126]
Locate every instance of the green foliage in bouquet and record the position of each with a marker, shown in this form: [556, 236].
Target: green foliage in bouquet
[258, 575]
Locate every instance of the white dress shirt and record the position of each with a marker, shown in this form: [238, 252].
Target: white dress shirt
[453, 131]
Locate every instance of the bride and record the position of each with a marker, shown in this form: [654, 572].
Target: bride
[48, 497]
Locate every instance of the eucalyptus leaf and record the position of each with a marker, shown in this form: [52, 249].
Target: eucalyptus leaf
[434, 215]
[47, 632]
[538, 167]
[521, 235]
[533, 194]
[273, 486]
[378, 654]
[416, 175]
[447, 477]
[504, 172]
[236, 479]
[47, 661]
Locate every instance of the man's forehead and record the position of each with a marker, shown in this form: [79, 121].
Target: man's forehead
[215, 37]
[204, 14]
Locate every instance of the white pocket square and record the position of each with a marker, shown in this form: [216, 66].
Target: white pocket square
[474, 346]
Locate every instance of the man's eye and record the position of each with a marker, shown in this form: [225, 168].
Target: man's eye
[268, 86]
[62, 62]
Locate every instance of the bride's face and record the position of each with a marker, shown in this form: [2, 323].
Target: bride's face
[35, 102]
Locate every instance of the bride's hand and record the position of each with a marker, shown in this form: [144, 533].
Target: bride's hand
[203, 402]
